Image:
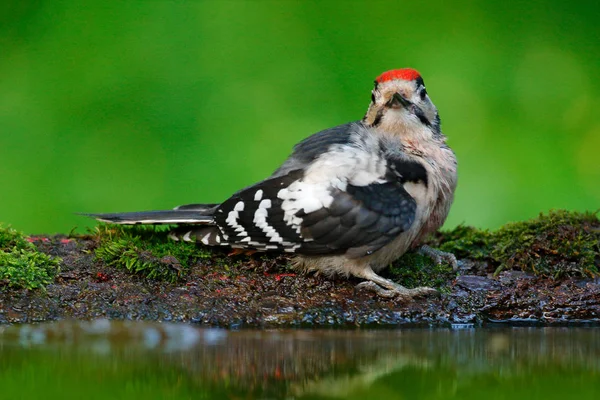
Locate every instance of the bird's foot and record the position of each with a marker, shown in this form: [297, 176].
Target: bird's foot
[398, 291]
[387, 288]
[439, 256]
[395, 290]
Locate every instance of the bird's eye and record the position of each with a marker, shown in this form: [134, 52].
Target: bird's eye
[423, 94]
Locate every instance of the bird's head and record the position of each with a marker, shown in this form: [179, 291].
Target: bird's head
[400, 104]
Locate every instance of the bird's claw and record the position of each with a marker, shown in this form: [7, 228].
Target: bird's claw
[397, 291]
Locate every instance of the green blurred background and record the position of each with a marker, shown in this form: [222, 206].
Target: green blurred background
[135, 105]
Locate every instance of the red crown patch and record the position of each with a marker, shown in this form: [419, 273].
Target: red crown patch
[406, 74]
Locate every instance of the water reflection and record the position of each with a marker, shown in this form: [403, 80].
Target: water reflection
[299, 363]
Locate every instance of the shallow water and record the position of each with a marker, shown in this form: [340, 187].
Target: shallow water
[131, 360]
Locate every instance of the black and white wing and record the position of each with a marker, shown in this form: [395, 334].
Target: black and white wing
[347, 198]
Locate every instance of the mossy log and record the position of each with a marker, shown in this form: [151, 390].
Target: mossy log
[541, 271]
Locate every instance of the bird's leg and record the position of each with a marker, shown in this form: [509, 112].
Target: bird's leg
[439, 256]
[386, 288]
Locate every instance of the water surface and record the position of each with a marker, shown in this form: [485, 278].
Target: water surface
[131, 360]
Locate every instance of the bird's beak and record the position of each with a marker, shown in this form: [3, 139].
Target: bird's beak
[401, 99]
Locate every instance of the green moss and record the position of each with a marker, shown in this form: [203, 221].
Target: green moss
[10, 238]
[414, 269]
[146, 250]
[21, 264]
[560, 243]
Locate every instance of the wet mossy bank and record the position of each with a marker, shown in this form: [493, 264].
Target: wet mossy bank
[540, 271]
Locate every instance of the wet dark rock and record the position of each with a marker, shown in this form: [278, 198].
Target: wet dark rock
[476, 283]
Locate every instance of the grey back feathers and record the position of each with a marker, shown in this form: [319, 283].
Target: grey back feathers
[312, 147]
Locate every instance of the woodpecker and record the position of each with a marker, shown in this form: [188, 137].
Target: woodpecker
[349, 200]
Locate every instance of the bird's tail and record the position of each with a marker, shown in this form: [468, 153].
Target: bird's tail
[188, 214]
